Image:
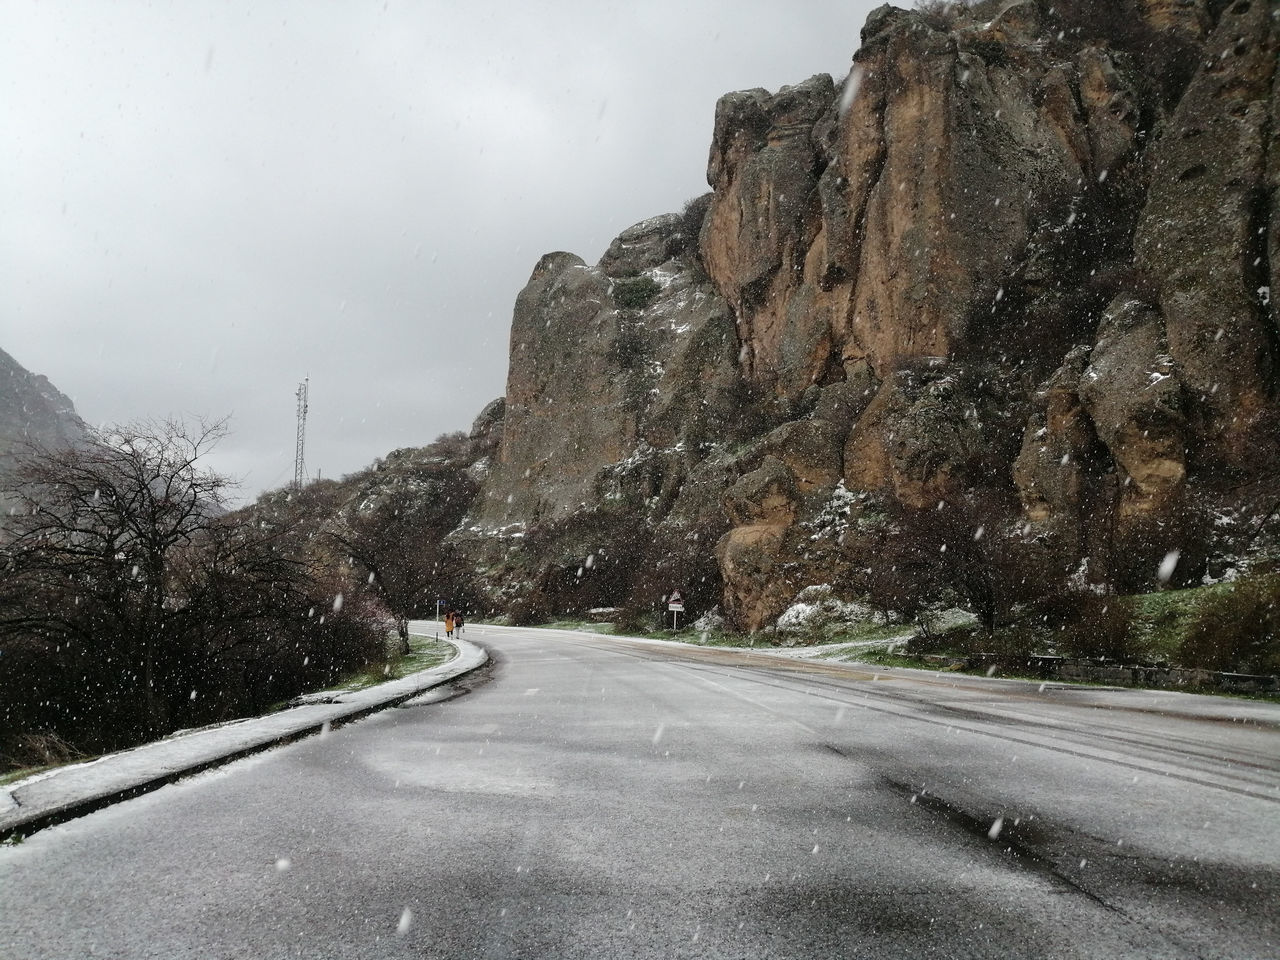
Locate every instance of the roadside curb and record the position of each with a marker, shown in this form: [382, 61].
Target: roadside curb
[65, 793]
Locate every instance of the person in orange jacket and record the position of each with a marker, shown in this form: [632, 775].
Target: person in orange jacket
[448, 624]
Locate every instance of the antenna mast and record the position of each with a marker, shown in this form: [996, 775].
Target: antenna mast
[299, 467]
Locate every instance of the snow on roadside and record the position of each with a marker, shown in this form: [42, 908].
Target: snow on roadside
[816, 607]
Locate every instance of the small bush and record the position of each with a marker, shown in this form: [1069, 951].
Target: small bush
[942, 14]
[692, 217]
[38, 749]
[970, 641]
[1238, 630]
[1099, 627]
[528, 611]
[1143, 545]
[636, 293]
[638, 618]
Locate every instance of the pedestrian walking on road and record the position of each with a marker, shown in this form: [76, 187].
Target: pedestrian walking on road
[457, 623]
[448, 624]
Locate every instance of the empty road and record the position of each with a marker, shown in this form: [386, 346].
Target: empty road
[589, 797]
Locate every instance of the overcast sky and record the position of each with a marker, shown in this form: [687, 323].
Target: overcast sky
[205, 202]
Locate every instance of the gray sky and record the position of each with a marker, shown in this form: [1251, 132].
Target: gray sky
[204, 202]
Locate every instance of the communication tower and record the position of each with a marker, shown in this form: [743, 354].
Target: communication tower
[299, 465]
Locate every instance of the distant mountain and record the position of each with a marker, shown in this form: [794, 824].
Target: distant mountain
[32, 410]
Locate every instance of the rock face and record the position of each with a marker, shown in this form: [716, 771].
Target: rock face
[1025, 248]
[32, 410]
[1203, 235]
[610, 365]
[764, 169]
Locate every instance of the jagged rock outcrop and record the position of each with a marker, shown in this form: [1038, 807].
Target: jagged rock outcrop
[32, 409]
[764, 169]
[622, 378]
[1186, 16]
[32, 412]
[1107, 436]
[1024, 251]
[762, 505]
[488, 422]
[1202, 236]
[1058, 443]
[1131, 392]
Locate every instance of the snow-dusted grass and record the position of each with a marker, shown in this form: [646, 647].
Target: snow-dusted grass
[720, 638]
[587, 626]
[13, 776]
[697, 637]
[886, 657]
[1161, 620]
[818, 611]
[424, 653]
[867, 635]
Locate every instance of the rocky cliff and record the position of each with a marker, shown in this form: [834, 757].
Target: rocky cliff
[1021, 254]
[32, 411]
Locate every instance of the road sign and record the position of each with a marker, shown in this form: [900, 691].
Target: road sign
[675, 606]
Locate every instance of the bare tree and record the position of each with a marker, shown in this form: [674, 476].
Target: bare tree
[100, 524]
[396, 531]
[971, 547]
[130, 600]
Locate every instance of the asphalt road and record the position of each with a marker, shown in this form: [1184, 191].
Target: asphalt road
[595, 798]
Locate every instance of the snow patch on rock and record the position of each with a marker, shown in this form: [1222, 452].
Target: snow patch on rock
[816, 607]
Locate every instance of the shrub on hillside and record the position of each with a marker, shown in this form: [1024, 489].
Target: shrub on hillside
[968, 551]
[530, 610]
[132, 604]
[42, 749]
[692, 218]
[1166, 549]
[1012, 642]
[1097, 627]
[635, 293]
[1238, 630]
[942, 14]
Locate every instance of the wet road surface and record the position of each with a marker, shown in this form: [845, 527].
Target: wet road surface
[592, 797]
